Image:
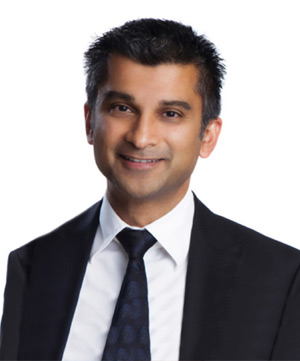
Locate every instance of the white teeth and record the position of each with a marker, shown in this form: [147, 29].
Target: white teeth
[141, 160]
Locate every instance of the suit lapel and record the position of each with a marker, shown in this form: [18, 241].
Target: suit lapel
[59, 264]
[212, 266]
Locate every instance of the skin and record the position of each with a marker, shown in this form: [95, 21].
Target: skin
[145, 130]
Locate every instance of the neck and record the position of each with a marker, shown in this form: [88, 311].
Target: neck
[139, 213]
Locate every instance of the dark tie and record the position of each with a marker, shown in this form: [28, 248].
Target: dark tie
[128, 338]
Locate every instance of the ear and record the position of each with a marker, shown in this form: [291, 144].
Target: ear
[210, 137]
[88, 124]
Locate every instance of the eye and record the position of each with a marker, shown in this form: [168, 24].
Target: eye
[172, 114]
[120, 109]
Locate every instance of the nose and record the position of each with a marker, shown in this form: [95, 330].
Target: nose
[143, 132]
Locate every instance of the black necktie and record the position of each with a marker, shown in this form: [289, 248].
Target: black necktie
[128, 338]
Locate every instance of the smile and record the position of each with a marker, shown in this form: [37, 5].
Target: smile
[136, 160]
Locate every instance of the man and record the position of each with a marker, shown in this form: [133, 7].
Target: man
[216, 290]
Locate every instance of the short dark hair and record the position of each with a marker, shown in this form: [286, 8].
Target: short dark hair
[154, 42]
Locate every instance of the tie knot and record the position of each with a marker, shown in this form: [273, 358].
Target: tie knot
[136, 242]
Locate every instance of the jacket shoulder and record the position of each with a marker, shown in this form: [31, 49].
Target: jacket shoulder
[224, 232]
[78, 223]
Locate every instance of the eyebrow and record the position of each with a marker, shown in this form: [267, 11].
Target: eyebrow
[111, 94]
[178, 103]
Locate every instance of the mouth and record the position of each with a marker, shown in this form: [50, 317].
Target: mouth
[140, 160]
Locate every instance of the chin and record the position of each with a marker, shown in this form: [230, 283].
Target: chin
[140, 194]
[137, 192]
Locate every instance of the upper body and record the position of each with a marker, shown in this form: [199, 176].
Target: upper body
[153, 105]
[241, 298]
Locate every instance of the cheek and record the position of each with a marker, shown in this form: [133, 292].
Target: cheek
[107, 139]
[104, 134]
[186, 143]
[187, 154]
[110, 131]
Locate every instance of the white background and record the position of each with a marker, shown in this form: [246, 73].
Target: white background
[48, 173]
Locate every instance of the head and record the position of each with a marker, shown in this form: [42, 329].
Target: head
[153, 42]
[153, 91]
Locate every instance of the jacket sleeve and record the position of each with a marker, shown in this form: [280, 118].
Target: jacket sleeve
[12, 312]
[287, 345]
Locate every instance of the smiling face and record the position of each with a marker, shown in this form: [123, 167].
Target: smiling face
[146, 130]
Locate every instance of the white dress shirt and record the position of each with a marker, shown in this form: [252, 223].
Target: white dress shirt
[166, 265]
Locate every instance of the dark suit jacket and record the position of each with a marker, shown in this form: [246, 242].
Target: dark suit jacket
[242, 298]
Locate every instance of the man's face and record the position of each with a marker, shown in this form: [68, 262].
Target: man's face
[146, 129]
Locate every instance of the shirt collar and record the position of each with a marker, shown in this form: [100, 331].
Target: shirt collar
[172, 231]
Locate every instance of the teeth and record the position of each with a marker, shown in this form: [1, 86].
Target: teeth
[141, 160]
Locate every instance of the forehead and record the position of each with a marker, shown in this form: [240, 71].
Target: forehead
[175, 80]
